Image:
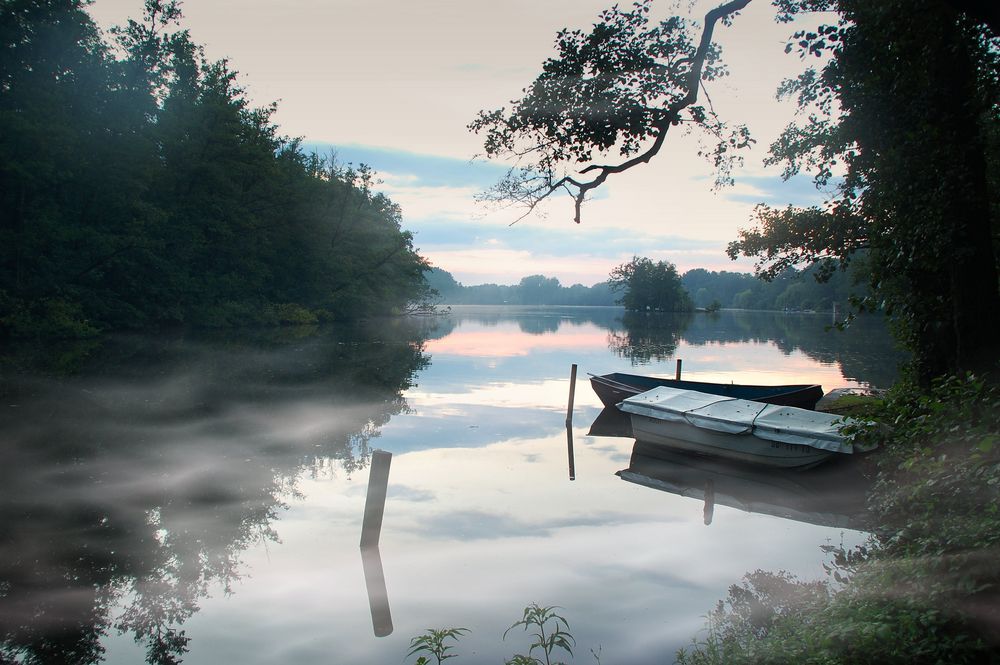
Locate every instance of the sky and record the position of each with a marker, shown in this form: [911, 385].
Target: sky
[394, 84]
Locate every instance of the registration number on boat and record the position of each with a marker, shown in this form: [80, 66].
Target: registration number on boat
[796, 447]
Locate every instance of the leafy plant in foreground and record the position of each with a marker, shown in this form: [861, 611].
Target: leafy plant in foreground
[549, 630]
[538, 619]
[432, 642]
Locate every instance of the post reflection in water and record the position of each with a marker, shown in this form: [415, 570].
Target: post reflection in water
[371, 530]
[378, 596]
[570, 453]
[709, 510]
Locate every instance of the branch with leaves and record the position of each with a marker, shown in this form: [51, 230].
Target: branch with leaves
[619, 88]
[788, 237]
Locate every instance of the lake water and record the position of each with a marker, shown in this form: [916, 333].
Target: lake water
[203, 495]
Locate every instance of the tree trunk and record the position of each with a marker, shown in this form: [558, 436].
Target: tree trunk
[975, 296]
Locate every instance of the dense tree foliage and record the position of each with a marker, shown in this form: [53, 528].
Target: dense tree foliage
[789, 290]
[139, 188]
[906, 111]
[650, 286]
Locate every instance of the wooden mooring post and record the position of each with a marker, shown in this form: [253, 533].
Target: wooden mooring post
[677, 374]
[378, 485]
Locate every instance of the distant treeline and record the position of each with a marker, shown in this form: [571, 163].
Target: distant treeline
[532, 290]
[792, 290]
[138, 188]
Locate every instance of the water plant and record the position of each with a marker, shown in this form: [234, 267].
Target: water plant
[432, 641]
[550, 632]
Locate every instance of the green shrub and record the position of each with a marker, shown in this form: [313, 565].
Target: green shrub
[925, 589]
[50, 317]
[289, 314]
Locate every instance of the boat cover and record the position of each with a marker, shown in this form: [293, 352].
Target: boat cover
[771, 422]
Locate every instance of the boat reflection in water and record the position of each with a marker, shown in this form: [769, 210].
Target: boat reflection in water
[611, 422]
[832, 495]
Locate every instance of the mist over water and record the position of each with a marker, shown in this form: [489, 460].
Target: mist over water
[201, 496]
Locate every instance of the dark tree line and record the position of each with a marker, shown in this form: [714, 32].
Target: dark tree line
[792, 289]
[139, 188]
[531, 290]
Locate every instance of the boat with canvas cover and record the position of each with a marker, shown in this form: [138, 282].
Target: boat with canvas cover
[736, 429]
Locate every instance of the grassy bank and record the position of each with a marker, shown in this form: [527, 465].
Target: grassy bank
[926, 587]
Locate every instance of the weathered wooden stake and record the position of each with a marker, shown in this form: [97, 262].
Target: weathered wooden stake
[378, 485]
[572, 392]
[677, 374]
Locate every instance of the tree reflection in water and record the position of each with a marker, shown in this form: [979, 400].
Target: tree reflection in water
[648, 336]
[138, 480]
[865, 353]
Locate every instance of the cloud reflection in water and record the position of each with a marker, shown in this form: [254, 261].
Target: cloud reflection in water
[162, 477]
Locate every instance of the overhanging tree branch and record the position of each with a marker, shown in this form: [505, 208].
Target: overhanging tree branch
[585, 102]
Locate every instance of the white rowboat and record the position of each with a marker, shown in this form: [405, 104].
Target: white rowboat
[754, 432]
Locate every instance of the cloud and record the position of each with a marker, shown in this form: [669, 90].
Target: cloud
[553, 238]
[665, 213]
[420, 169]
[407, 493]
[799, 190]
[467, 525]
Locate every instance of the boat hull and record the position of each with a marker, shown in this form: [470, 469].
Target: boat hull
[613, 388]
[745, 448]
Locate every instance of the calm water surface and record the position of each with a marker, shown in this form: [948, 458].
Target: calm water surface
[202, 497]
